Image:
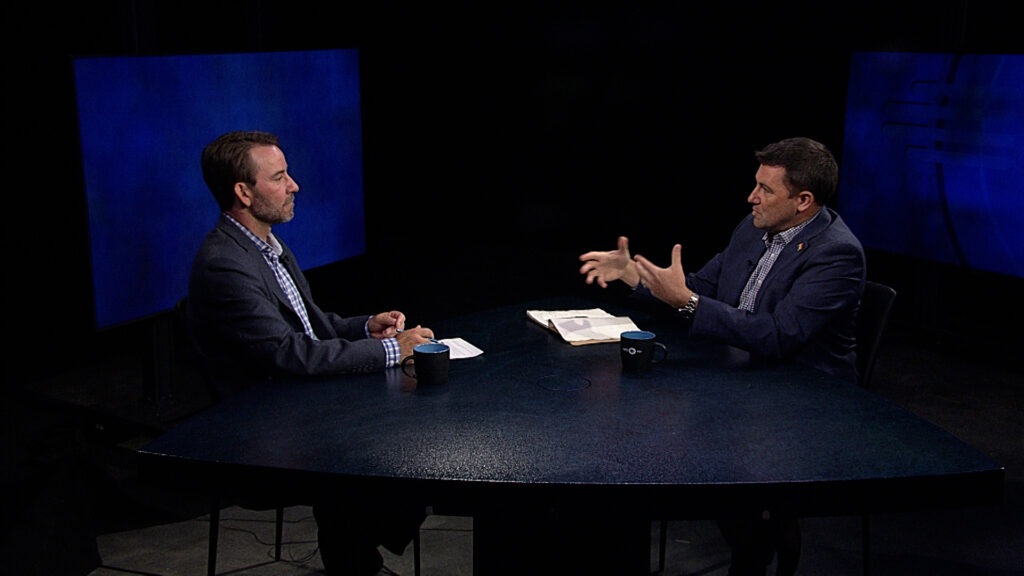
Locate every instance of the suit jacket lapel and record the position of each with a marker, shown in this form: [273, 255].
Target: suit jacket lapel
[256, 260]
[796, 248]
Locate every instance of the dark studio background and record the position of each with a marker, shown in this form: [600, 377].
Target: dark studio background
[501, 140]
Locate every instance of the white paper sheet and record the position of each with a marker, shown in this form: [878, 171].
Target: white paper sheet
[459, 348]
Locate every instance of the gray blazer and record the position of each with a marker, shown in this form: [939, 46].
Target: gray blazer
[245, 330]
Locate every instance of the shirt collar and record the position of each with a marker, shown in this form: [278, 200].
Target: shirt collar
[270, 247]
[786, 235]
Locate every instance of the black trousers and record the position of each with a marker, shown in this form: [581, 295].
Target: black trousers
[756, 541]
[350, 530]
[513, 539]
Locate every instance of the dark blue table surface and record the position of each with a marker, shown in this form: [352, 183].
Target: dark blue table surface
[709, 424]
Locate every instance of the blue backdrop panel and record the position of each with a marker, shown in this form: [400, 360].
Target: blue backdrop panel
[143, 124]
[933, 157]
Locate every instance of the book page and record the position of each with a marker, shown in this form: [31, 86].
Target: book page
[543, 317]
[575, 330]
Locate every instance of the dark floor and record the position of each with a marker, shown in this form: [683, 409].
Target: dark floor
[81, 510]
[950, 543]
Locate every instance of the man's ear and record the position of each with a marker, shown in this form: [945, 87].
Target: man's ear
[243, 194]
[805, 199]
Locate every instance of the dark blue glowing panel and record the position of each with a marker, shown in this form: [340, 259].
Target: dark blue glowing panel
[143, 124]
[933, 157]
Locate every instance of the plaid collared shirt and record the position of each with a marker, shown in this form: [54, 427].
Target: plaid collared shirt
[774, 243]
[271, 253]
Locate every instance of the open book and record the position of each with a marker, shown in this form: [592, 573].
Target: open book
[578, 327]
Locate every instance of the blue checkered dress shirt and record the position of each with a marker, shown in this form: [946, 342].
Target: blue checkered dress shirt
[774, 243]
[271, 253]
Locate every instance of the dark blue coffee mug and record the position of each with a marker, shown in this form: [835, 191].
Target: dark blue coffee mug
[640, 350]
[430, 364]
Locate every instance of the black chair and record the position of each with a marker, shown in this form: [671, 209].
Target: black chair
[211, 561]
[662, 541]
[872, 319]
[186, 352]
[875, 306]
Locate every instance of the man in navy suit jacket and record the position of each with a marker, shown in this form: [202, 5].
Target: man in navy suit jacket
[800, 267]
[251, 316]
[788, 285]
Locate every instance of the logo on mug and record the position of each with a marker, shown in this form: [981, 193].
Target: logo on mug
[632, 351]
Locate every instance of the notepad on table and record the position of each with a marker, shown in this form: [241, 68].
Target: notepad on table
[459, 348]
[578, 327]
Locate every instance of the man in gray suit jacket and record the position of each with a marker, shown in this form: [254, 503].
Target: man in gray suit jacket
[252, 317]
[249, 307]
[788, 285]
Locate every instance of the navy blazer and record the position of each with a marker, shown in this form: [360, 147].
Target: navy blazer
[807, 305]
[244, 328]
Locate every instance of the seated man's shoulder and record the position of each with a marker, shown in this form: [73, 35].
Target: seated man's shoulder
[838, 232]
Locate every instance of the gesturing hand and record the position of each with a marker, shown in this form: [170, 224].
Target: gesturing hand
[666, 284]
[605, 267]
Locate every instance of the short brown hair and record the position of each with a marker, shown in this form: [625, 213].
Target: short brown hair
[809, 166]
[226, 161]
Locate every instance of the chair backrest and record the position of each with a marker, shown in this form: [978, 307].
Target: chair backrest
[875, 305]
[188, 352]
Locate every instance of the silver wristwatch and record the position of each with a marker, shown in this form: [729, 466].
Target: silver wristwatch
[690, 308]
